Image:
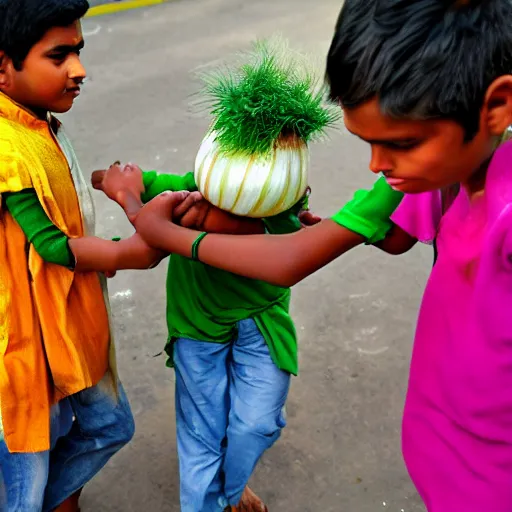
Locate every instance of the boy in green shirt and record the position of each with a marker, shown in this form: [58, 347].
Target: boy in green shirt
[233, 346]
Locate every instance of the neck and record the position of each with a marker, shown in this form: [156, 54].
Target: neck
[40, 113]
[36, 112]
[475, 184]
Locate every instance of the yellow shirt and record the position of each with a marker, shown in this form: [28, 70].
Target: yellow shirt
[54, 324]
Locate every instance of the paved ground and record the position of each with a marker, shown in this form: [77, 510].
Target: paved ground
[341, 451]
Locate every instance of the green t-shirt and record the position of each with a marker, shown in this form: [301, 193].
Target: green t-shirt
[205, 303]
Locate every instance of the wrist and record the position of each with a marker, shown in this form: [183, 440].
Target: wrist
[176, 239]
[130, 203]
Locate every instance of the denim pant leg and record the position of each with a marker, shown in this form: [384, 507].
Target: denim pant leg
[103, 425]
[258, 392]
[202, 404]
[24, 476]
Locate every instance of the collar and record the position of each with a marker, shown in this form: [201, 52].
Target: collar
[15, 112]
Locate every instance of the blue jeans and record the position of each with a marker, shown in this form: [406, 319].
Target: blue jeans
[86, 430]
[229, 410]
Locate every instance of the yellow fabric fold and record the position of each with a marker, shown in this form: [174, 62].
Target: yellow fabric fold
[54, 330]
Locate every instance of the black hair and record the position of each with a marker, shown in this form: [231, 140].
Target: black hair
[23, 23]
[422, 59]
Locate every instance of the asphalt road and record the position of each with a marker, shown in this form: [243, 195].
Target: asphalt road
[341, 450]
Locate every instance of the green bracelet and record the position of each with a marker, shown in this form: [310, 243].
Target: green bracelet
[195, 246]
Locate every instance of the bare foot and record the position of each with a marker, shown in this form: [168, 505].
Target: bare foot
[250, 503]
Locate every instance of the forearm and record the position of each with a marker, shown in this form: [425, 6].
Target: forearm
[283, 260]
[397, 241]
[96, 254]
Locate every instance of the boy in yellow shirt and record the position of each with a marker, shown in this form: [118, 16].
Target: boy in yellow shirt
[63, 412]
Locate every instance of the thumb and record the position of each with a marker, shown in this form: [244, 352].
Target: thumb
[97, 179]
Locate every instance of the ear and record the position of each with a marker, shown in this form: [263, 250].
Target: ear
[5, 71]
[498, 105]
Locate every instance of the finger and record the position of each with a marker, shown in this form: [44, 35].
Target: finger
[194, 218]
[190, 201]
[115, 167]
[110, 275]
[133, 167]
[97, 179]
[169, 201]
[309, 219]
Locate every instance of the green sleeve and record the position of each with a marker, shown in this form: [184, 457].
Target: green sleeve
[49, 242]
[156, 183]
[369, 212]
[288, 221]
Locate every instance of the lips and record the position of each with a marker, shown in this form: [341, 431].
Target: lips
[75, 91]
[395, 182]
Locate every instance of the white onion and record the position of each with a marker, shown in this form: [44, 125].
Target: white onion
[253, 186]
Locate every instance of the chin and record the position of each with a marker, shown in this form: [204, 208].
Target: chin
[412, 187]
[61, 107]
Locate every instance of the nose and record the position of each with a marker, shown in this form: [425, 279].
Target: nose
[380, 161]
[76, 70]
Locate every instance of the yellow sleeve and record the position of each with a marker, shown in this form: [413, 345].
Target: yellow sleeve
[14, 174]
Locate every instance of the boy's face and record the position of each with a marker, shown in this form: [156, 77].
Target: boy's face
[417, 156]
[51, 75]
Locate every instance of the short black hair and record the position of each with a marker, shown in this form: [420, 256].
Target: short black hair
[23, 23]
[422, 59]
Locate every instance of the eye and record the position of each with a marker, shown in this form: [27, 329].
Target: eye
[403, 145]
[58, 58]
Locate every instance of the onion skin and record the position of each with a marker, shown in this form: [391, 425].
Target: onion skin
[255, 186]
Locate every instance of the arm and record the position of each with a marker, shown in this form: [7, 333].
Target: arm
[96, 254]
[397, 241]
[89, 253]
[279, 259]
[49, 242]
[283, 260]
[130, 187]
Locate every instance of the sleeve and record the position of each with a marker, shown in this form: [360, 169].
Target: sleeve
[49, 242]
[14, 175]
[156, 183]
[288, 221]
[368, 212]
[419, 215]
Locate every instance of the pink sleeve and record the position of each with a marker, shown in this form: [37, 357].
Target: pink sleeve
[419, 215]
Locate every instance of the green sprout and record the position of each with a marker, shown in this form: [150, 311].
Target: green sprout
[265, 100]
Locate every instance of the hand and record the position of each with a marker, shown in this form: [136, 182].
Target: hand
[192, 212]
[197, 213]
[158, 214]
[307, 218]
[110, 274]
[123, 184]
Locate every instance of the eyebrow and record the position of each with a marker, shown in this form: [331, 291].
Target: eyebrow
[65, 48]
[396, 140]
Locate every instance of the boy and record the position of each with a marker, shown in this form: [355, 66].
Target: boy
[427, 84]
[233, 346]
[63, 411]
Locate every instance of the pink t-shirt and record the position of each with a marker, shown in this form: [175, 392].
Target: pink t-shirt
[457, 427]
